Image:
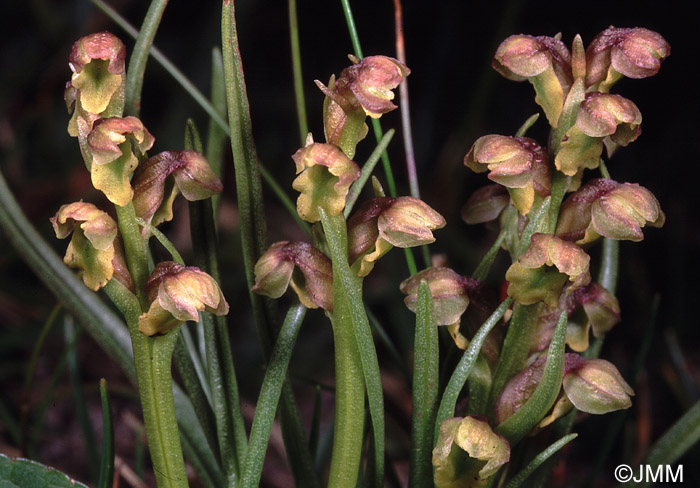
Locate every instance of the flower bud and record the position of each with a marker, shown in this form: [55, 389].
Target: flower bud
[91, 248]
[160, 178]
[97, 62]
[274, 272]
[113, 159]
[485, 204]
[541, 271]
[481, 453]
[595, 385]
[545, 62]
[177, 294]
[635, 53]
[518, 163]
[606, 208]
[383, 222]
[325, 175]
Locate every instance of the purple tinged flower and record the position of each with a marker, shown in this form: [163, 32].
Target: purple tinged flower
[91, 248]
[632, 52]
[518, 163]
[162, 177]
[604, 207]
[382, 223]
[177, 294]
[274, 272]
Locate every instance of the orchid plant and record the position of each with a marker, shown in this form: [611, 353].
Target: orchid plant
[527, 361]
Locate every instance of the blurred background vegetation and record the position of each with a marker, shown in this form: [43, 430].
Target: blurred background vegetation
[455, 98]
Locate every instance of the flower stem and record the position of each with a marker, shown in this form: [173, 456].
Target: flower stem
[152, 357]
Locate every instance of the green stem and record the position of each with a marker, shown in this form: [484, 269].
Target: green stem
[356, 366]
[425, 390]
[134, 250]
[139, 57]
[296, 68]
[152, 357]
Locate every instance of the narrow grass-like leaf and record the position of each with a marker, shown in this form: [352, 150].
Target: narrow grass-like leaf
[426, 372]
[296, 69]
[268, 398]
[139, 56]
[376, 124]
[197, 391]
[315, 431]
[216, 135]
[389, 345]
[462, 371]
[70, 333]
[515, 427]
[349, 319]
[515, 349]
[253, 233]
[536, 224]
[482, 269]
[224, 388]
[678, 439]
[367, 168]
[520, 478]
[106, 477]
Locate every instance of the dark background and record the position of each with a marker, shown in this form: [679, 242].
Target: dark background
[455, 98]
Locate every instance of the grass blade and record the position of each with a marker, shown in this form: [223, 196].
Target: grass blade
[520, 478]
[515, 427]
[139, 57]
[269, 396]
[106, 477]
[426, 373]
[461, 373]
[296, 69]
[349, 312]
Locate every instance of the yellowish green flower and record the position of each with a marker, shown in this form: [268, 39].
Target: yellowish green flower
[91, 248]
[325, 174]
[112, 142]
